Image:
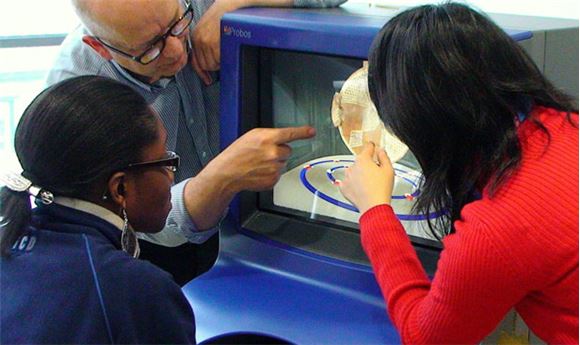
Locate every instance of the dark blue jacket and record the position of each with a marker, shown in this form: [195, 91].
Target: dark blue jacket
[69, 282]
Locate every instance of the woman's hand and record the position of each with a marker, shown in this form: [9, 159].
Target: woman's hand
[368, 183]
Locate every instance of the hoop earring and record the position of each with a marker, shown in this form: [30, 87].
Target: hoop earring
[129, 241]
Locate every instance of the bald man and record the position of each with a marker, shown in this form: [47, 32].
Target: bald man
[168, 51]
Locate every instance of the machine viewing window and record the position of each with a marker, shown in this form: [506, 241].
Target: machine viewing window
[329, 93]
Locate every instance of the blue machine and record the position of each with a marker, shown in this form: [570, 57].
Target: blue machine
[284, 276]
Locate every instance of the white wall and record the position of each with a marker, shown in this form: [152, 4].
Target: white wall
[543, 8]
[36, 17]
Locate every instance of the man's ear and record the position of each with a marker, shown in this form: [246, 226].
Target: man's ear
[97, 46]
[116, 188]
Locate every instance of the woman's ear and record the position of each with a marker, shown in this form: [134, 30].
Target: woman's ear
[97, 46]
[116, 188]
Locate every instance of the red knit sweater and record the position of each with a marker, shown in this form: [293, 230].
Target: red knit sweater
[518, 249]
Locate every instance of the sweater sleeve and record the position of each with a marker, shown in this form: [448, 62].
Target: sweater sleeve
[470, 293]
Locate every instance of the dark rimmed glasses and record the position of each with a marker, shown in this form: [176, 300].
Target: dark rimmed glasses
[155, 49]
[171, 163]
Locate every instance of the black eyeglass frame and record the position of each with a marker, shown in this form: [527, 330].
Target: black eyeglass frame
[171, 163]
[139, 58]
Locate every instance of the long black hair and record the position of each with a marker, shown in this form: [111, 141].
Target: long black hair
[450, 83]
[69, 141]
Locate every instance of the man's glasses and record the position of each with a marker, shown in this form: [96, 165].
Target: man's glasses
[155, 49]
[171, 163]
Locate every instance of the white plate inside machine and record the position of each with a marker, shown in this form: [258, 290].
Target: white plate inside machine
[312, 188]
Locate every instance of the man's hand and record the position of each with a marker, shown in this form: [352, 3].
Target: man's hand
[255, 161]
[206, 39]
[366, 183]
[206, 35]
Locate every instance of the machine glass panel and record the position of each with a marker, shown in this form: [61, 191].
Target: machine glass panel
[319, 90]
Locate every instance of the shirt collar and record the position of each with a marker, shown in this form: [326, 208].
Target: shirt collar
[91, 208]
[160, 84]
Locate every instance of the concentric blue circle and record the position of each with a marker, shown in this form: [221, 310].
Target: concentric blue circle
[328, 198]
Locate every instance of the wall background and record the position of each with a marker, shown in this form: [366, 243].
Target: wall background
[543, 8]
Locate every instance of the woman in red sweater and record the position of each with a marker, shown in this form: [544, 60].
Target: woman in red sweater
[498, 146]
